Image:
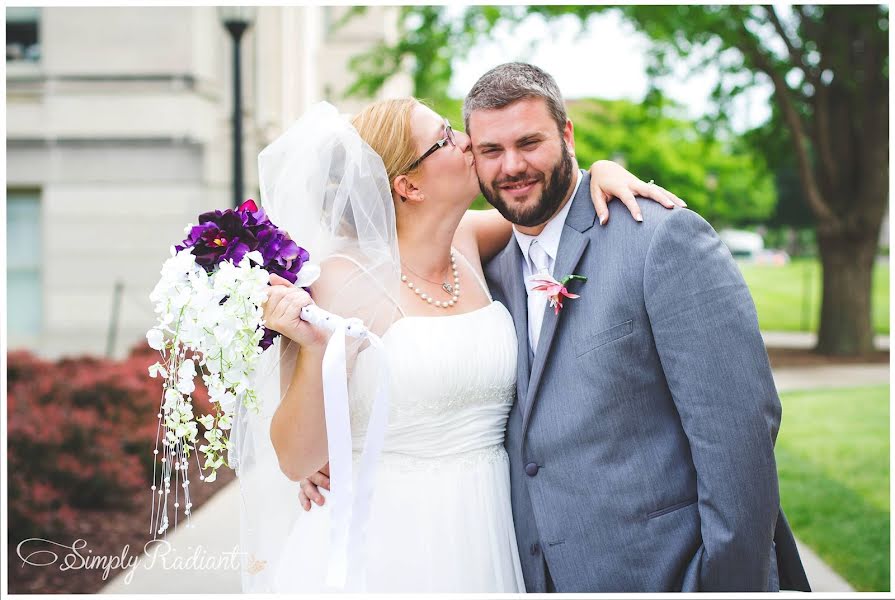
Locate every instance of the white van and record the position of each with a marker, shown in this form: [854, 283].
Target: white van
[742, 244]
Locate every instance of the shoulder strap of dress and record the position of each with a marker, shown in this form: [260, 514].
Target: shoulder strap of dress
[352, 260]
[475, 273]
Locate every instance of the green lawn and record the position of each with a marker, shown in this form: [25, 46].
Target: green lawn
[780, 297]
[833, 461]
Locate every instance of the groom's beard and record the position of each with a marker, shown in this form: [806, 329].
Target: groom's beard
[555, 190]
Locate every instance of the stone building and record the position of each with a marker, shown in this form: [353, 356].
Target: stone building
[119, 128]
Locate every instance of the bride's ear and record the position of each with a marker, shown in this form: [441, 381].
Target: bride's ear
[406, 189]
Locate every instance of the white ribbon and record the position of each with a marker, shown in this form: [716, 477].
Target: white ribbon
[349, 508]
[369, 460]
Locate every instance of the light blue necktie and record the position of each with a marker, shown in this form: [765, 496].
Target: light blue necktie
[537, 301]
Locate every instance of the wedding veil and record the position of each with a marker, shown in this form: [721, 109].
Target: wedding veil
[329, 190]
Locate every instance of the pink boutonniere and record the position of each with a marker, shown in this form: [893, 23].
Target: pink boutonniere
[555, 290]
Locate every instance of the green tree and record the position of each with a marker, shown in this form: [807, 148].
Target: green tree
[722, 180]
[429, 40]
[792, 213]
[829, 69]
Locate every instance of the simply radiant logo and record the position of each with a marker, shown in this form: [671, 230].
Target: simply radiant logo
[159, 554]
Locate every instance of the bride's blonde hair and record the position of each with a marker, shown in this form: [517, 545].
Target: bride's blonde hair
[385, 126]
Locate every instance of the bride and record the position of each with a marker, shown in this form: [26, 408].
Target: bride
[385, 200]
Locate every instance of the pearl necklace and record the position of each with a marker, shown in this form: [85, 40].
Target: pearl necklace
[454, 290]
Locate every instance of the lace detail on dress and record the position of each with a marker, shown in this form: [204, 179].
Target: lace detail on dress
[396, 462]
[427, 406]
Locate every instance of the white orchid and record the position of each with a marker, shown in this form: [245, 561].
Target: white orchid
[218, 317]
[156, 339]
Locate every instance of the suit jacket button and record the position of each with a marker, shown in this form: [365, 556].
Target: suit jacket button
[535, 548]
[531, 469]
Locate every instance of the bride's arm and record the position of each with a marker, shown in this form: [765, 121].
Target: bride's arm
[488, 228]
[298, 427]
[608, 180]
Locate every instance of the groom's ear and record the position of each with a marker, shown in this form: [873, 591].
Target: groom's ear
[406, 189]
[568, 135]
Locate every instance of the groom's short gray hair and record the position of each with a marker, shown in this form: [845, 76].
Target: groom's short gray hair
[510, 82]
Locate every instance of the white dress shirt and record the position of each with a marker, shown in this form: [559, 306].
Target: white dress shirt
[540, 253]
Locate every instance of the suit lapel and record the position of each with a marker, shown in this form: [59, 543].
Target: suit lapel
[572, 245]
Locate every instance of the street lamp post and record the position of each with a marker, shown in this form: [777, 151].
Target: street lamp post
[236, 19]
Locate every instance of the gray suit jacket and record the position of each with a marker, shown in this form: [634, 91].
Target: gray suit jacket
[641, 443]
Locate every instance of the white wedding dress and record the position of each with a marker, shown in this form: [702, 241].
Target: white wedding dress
[440, 519]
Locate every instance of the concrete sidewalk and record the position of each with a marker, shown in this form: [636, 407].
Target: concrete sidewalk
[804, 340]
[830, 376]
[209, 541]
[820, 576]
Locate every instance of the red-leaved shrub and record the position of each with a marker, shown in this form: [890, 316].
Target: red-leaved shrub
[81, 432]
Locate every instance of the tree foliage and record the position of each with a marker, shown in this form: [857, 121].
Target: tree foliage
[722, 180]
[829, 69]
[772, 141]
[828, 66]
[430, 38]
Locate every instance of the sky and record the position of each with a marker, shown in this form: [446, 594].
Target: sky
[616, 68]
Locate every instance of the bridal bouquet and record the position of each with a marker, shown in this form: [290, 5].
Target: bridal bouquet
[209, 303]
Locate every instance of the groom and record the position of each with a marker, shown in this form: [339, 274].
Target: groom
[642, 440]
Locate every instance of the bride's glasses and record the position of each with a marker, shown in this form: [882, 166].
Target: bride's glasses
[447, 139]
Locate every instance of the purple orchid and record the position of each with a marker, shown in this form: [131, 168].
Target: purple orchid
[231, 234]
[281, 255]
